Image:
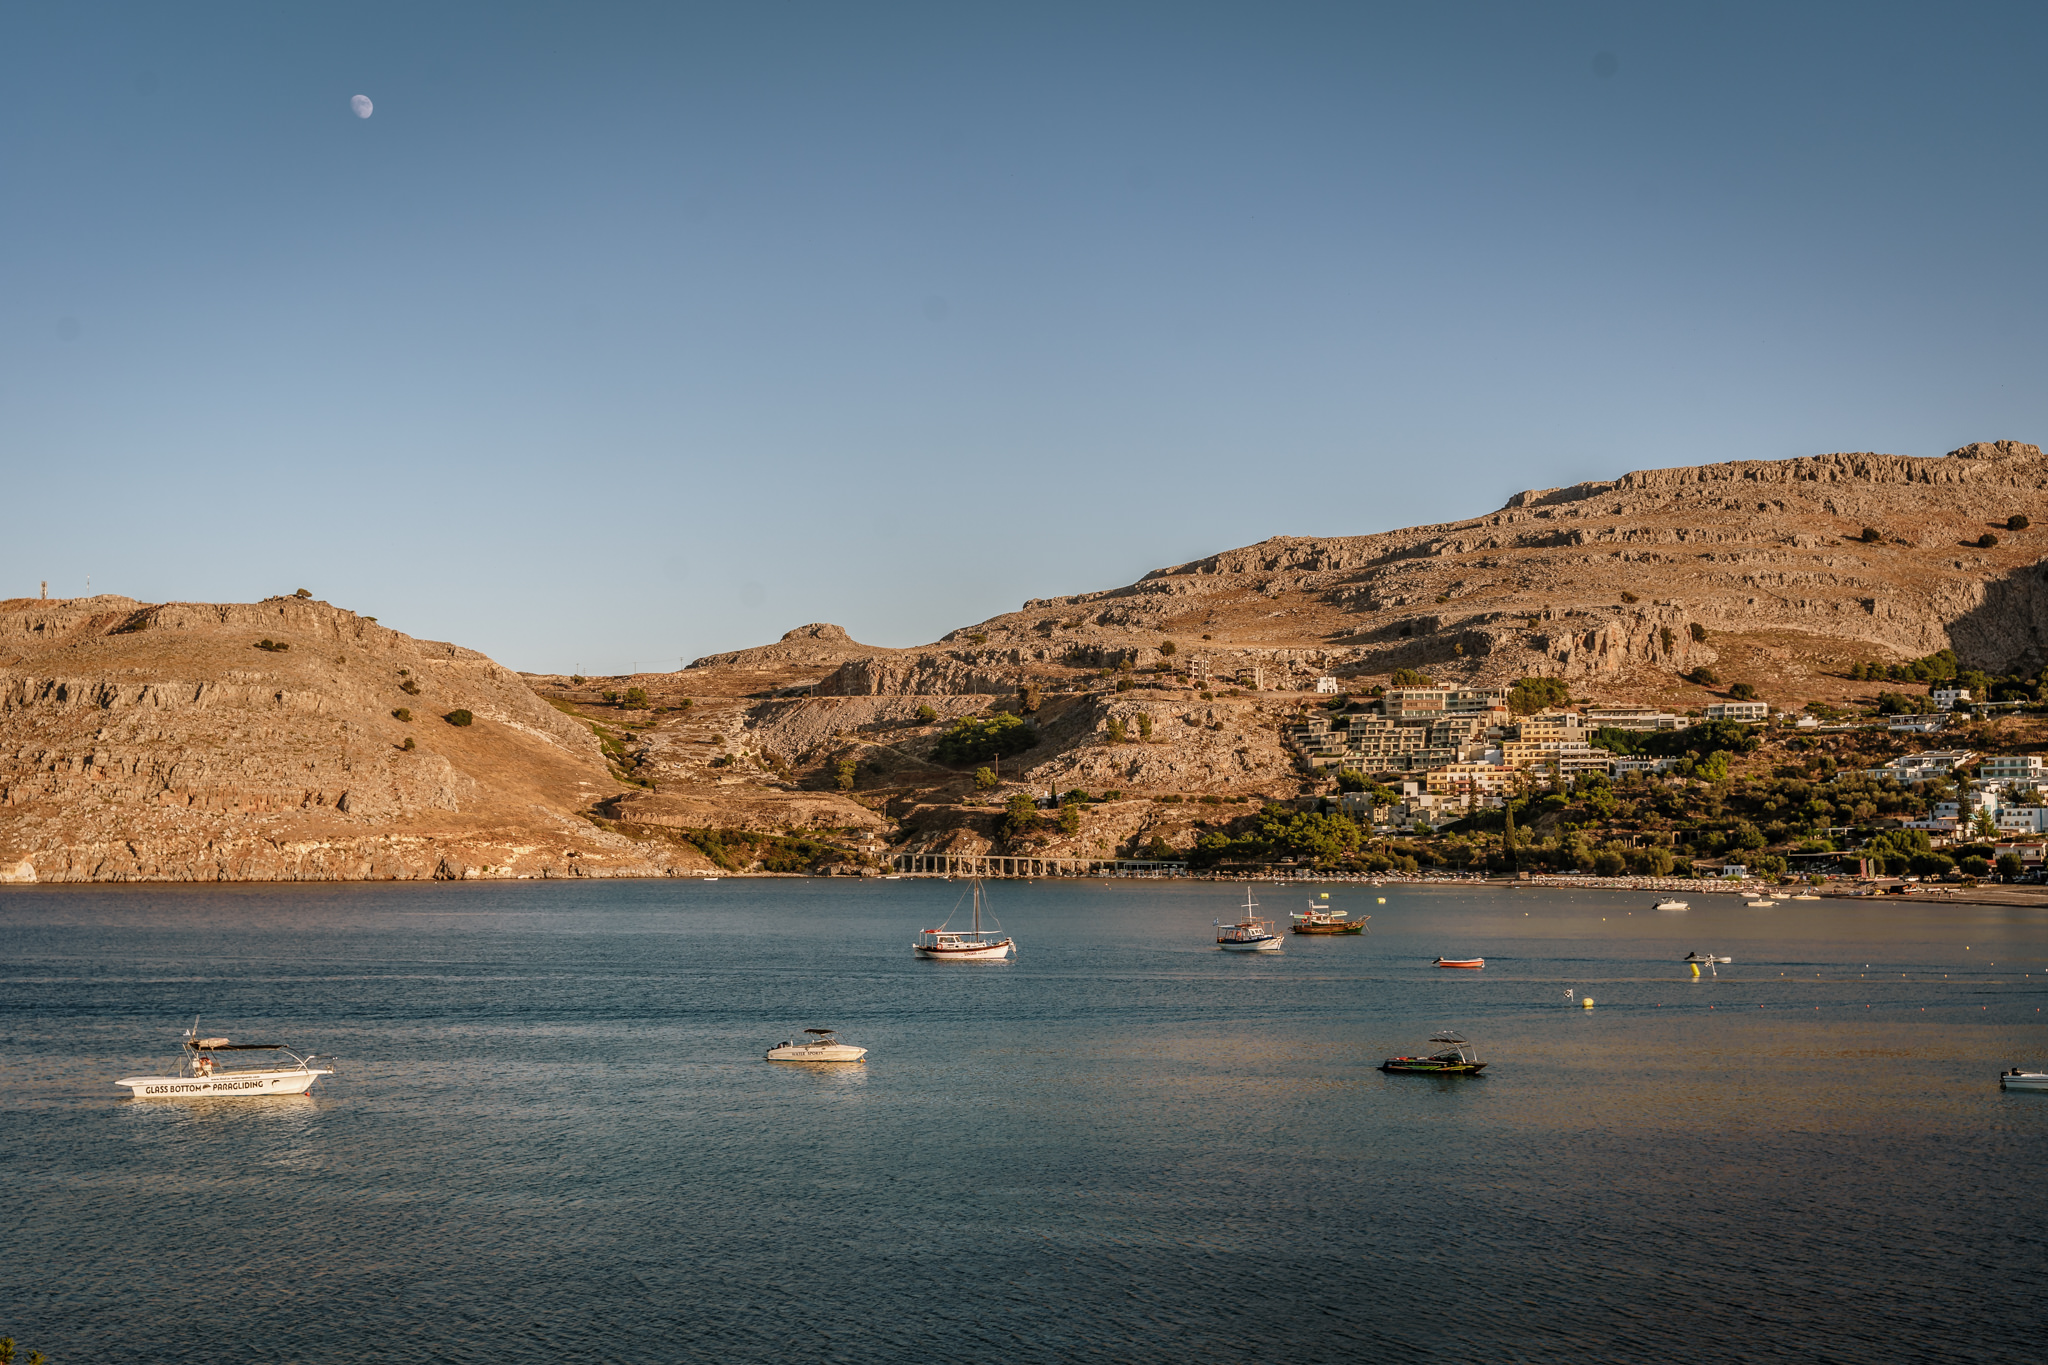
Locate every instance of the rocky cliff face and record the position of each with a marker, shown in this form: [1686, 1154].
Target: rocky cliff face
[189, 741]
[1625, 582]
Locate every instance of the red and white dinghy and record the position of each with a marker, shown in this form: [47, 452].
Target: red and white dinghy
[1469, 963]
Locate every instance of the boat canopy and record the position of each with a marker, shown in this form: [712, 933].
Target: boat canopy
[1447, 1036]
[223, 1045]
[820, 1030]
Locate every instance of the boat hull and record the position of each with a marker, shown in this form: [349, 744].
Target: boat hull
[2026, 1080]
[1255, 945]
[833, 1052]
[947, 953]
[1468, 964]
[1424, 1066]
[224, 1085]
[1358, 928]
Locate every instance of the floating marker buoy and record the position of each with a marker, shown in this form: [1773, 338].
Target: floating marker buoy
[1586, 1003]
[1383, 900]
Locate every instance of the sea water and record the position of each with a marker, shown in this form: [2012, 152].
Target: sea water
[551, 1134]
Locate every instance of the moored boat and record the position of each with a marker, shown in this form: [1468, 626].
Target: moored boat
[201, 1074]
[1468, 963]
[946, 945]
[1321, 919]
[1672, 903]
[820, 1046]
[1458, 1058]
[1251, 933]
[2016, 1079]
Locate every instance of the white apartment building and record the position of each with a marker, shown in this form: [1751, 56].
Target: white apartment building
[1947, 697]
[1747, 712]
[2023, 770]
[1632, 718]
[1918, 767]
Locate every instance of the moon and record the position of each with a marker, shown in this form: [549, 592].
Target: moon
[361, 104]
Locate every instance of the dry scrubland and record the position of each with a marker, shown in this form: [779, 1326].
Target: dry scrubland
[164, 742]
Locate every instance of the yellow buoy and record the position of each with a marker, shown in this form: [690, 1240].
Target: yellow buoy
[1383, 900]
[1586, 1003]
[1695, 971]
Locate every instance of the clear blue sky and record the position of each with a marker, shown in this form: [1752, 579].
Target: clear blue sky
[620, 334]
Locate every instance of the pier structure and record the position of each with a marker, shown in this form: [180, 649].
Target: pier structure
[996, 865]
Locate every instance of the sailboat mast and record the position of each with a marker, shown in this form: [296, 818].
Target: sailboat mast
[977, 909]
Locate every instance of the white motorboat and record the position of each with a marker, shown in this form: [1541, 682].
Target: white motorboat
[200, 1073]
[2017, 1079]
[1672, 903]
[1250, 933]
[945, 945]
[1806, 896]
[1761, 903]
[819, 1046]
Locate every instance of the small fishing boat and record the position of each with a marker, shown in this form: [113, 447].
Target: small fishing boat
[1761, 903]
[1708, 959]
[2017, 1079]
[819, 1046]
[1251, 933]
[199, 1073]
[1458, 1058]
[1806, 896]
[1671, 903]
[945, 945]
[1469, 963]
[1321, 919]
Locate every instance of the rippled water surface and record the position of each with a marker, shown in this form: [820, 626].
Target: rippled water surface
[552, 1136]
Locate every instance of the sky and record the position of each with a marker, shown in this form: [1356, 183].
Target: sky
[620, 334]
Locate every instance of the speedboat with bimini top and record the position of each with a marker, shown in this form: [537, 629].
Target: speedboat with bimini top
[1697, 958]
[945, 945]
[1251, 933]
[819, 1045]
[1459, 1058]
[2017, 1079]
[200, 1073]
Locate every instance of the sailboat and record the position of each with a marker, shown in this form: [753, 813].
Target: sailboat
[1251, 934]
[949, 946]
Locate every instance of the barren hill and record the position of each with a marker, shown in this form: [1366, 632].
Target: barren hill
[263, 741]
[141, 741]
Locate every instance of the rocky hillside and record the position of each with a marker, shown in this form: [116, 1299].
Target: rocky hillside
[281, 740]
[167, 741]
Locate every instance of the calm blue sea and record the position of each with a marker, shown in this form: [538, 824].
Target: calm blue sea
[552, 1136]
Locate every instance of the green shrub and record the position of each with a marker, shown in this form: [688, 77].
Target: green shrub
[1698, 632]
[926, 714]
[1116, 729]
[972, 739]
[1408, 677]
[273, 646]
[408, 746]
[979, 637]
[1630, 599]
[1530, 695]
[302, 593]
[1144, 727]
[636, 696]
[460, 717]
[1742, 692]
[1168, 648]
[1070, 818]
[1986, 541]
[2017, 522]
[576, 679]
[409, 687]
[403, 713]
[1871, 535]
[1703, 677]
[984, 779]
[848, 767]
